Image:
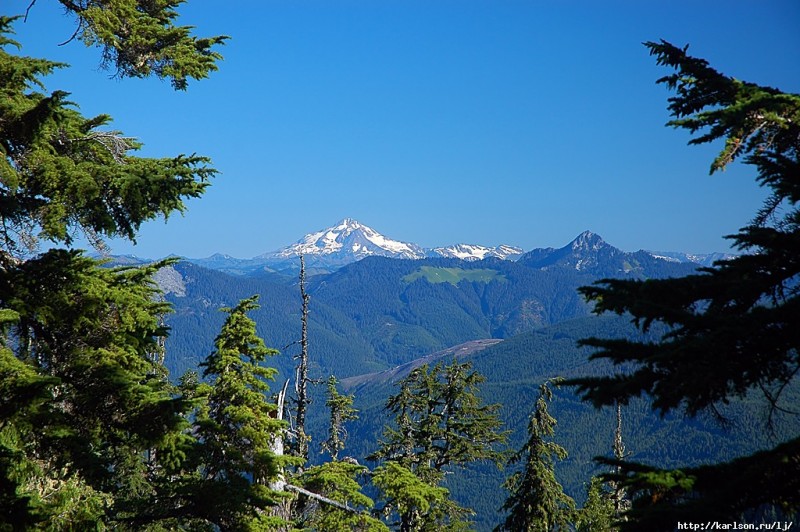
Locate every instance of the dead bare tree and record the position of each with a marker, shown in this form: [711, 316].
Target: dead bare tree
[619, 496]
[302, 400]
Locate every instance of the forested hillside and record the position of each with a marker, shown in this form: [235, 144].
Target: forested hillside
[514, 369]
[381, 312]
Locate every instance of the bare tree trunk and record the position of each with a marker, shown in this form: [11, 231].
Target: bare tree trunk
[301, 384]
[621, 502]
[277, 442]
[284, 508]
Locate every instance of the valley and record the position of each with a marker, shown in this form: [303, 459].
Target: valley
[516, 321]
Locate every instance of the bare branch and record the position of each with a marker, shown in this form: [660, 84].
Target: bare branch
[28, 10]
[113, 141]
[320, 498]
[75, 33]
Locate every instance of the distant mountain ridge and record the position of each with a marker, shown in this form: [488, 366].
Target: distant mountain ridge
[473, 252]
[703, 259]
[588, 253]
[350, 241]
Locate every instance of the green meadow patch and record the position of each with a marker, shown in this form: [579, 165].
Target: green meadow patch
[453, 275]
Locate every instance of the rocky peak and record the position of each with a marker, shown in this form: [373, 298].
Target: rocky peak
[588, 241]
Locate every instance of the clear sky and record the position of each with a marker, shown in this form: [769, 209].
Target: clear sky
[439, 122]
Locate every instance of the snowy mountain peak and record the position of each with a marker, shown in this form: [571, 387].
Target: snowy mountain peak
[348, 239]
[348, 225]
[703, 259]
[474, 252]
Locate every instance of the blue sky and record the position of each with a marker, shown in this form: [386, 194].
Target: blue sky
[441, 122]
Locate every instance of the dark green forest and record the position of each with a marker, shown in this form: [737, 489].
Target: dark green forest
[626, 394]
[381, 312]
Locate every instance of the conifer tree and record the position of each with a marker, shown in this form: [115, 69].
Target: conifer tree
[90, 427]
[537, 501]
[732, 328]
[337, 503]
[236, 428]
[139, 38]
[606, 499]
[86, 336]
[418, 504]
[341, 411]
[598, 513]
[619, 496]
[61, 172]
[441, 423]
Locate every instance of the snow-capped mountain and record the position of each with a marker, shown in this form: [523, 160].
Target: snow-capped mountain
[703, 259]
[473, 252]
[345, 242]
[349, 240]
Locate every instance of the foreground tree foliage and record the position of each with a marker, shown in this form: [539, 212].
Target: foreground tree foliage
[237, 428]
[139, 38]
[598, 513]
[341, 411]
[83, 344]
[441, 423]
[731, 329]
[90, 426]
[537, 501]
[60, 172]
[347, 509]
[417, 504]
